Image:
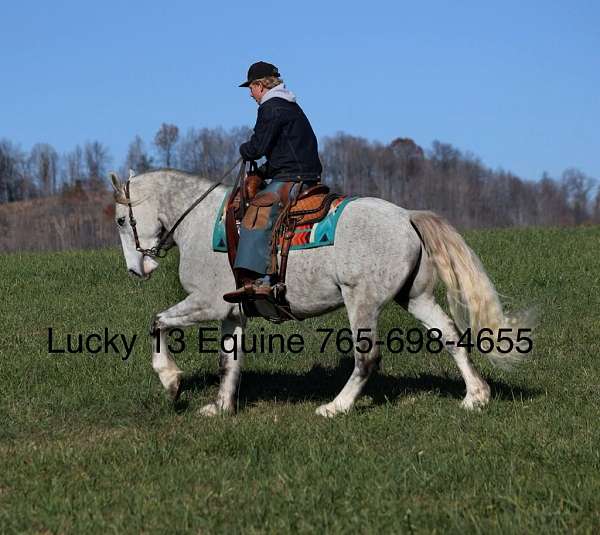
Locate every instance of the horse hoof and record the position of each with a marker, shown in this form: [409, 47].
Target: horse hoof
[174, 390]
[474, 402]
[171, 382]
[212, 409]
[153, 330]
[477, 398]
[327, 411]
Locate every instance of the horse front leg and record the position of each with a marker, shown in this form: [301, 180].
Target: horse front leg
[164, 365]
[192, 310]
[230, 367]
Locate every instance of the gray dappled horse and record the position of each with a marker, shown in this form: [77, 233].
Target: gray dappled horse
[378, 256]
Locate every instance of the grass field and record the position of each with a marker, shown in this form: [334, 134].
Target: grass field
[90, 444]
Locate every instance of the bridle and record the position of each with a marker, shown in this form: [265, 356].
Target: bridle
[159, 250]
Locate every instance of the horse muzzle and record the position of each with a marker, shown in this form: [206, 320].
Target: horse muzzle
[145, 269]
[137, 275]
[149, 265]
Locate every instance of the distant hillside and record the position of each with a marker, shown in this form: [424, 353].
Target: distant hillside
[77, 220]
[454, 183]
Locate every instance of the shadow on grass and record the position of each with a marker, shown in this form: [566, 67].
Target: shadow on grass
[322, 384]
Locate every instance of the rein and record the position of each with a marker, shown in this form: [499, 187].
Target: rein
[159, 250]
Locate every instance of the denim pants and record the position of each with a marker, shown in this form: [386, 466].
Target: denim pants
[254, 248]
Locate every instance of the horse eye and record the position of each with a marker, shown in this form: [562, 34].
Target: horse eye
[121, 221]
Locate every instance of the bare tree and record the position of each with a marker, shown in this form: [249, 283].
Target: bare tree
[409, 156]
[190, 152]
[577, 186]
[349, 163]
[444, 156]
[407, 161]
[552, 204]
[43, 164]
[8, 164]
[165, 140]
[15, 182]
[96, 157]
[209, 151]
[137, 157]
[73, 168]
[596, 207]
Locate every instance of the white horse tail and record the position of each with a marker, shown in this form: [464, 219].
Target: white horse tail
[472, 298]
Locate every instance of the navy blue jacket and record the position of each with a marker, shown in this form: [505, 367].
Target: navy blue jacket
[284, 135]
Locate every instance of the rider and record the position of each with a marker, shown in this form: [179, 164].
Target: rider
[284, 136]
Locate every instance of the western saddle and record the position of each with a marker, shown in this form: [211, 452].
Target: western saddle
[249, 206]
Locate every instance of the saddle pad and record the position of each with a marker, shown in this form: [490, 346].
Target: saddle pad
[308, 236]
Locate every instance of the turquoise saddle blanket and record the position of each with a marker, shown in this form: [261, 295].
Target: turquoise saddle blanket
[305, 236]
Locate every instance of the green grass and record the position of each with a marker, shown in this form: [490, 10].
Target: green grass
[92, 445]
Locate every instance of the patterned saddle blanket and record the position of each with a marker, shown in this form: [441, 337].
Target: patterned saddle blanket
[306, 236]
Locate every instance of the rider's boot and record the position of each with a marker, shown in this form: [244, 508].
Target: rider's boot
[251, 288]
[263, 288]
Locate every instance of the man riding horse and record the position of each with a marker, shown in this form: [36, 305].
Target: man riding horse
[284, 136]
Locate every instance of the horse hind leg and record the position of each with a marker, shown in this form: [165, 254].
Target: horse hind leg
[230, 368]
[425, 309]
[363, 317]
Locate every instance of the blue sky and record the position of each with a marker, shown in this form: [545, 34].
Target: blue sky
[516, 83]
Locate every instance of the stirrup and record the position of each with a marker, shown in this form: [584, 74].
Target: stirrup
[251, 290]
[264, 291]
[237, 296]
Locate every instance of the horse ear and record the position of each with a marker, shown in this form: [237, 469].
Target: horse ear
[116, 182]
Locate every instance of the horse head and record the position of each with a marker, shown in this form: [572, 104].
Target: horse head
[136, 216]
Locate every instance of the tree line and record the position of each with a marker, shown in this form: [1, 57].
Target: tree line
[441, 178]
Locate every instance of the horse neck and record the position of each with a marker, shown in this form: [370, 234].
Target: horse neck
[176, 192]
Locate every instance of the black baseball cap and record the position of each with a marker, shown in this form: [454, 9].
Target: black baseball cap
[258, 70]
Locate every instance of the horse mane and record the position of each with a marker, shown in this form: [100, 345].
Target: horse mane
[121, 198]
[175, 170]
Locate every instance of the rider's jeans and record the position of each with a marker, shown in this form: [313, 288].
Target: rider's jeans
[254, 248]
